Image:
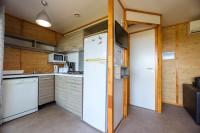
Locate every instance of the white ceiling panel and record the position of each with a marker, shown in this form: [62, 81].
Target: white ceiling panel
[60, 11]
[173, 11]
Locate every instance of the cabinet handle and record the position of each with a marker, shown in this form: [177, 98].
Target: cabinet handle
[46, 78]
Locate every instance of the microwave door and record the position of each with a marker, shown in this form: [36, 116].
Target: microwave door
[58, 57]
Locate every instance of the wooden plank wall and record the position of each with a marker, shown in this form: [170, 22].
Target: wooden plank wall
[169, 66]
[185, 67]
[19, 59]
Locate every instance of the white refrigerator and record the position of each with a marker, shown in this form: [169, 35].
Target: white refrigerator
[95, 81]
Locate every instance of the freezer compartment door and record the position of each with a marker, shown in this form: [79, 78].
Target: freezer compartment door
[95, 47]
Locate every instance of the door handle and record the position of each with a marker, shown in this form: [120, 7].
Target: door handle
[149, 68]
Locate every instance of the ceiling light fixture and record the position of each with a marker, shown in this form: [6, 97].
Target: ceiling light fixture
[77, 15]
[42, 18]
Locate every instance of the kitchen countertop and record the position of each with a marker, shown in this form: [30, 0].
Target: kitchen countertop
[37, 75]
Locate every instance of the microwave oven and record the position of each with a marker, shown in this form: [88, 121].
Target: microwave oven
[56, 58]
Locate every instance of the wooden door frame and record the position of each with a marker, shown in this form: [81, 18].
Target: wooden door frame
[110, 84]
[126, 86]
[158, 78]
[158, 97]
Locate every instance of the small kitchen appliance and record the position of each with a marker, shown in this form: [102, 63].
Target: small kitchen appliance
[55, 68]
[56, 58]
[71, 66]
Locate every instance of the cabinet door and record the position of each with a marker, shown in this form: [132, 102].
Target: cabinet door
[35, 32]
[71, 42]
[13, 26]
[68, 93]
[46, 89]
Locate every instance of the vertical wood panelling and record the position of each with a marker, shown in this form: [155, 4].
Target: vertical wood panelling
[169, 66]
[177, 78]
[110, 66]
[187, 63]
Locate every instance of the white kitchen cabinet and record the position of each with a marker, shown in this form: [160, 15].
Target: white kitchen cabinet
[71, 42]
[46, 89]
[68, 93]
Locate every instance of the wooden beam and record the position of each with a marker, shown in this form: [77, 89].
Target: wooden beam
[129, 25]
[110, 66]
[159, 69]
[122, 6]
[87, 25]
[126, 63]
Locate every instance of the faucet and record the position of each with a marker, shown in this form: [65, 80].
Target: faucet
[34, 71]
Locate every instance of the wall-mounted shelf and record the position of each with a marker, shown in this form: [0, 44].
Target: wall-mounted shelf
[27, 43]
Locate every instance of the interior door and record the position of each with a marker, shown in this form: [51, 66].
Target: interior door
[142, 69]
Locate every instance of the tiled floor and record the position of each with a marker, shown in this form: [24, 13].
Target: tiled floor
[54, 119]
[172, 120]
[51, 119]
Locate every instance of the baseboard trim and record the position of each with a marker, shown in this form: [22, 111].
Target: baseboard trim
[179, 105]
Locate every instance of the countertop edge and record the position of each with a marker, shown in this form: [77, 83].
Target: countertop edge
[38, 75]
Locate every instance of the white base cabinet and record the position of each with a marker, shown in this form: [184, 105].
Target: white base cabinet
[68, 93]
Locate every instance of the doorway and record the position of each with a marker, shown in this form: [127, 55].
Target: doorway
[142, 69]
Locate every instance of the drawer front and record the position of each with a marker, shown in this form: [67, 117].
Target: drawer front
[68, 93]
[48, 77]
[46, 89]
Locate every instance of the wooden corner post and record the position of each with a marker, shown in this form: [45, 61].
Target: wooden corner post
[159, 69]
[125, 81]
[110, 66]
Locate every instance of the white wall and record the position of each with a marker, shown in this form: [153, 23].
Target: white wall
[118, 83]
[142, 17]
[118, 12]
[74, 57]
[138, 27]
[1, 53]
